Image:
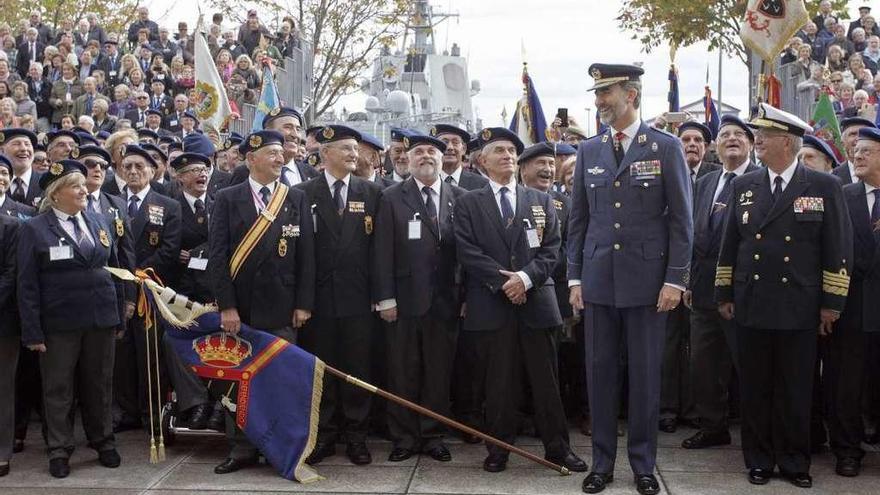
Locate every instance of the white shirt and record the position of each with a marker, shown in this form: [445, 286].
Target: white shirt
[258, 198]
[695, 172]
[786, 175]
[852, 172]
[737, 172]
[511, 196]
[68, 227]
[629, 133]
[292, 173]
[96, 199]
[191, 200]
[869, 190]
[25, 181]
[396, 178]
[332, 180]
[456, 176]
[141, 196]
[120, 182]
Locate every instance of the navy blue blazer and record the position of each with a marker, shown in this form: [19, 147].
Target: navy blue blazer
[707, 239]
[157, 236]
[9, 322]
[113, 208]
[485, 246]
[862, 311]
[64, 295]
[842, 171]
[631, 226]
[15, 209]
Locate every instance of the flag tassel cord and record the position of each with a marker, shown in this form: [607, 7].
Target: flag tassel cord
[447, 421]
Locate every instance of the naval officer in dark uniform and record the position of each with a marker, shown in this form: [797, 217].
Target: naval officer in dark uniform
[783, 273]
[8, 206]
[10, 337]
[417, 286]
[508, 244]
[70, 311]
[712, 338]
[272, 288]
[344, 207]
[19, 147]
[845, 348]
[629, 252]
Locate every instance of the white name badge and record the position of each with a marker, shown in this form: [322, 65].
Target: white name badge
[415, 230]
[60, 253]
[112, 73]
[172, 123]
[532, 236]
[200, 264]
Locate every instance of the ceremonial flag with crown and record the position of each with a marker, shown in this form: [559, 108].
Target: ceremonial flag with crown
[271, 387]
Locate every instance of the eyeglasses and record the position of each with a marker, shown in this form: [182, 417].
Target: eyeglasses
[90, 164]
[40, 159]
[142, 97]
[196, 171]
[138, 166]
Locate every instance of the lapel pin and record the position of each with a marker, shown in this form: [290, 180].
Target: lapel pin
[654, 147]
[642, 138]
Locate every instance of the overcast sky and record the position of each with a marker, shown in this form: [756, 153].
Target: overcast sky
[562, 38]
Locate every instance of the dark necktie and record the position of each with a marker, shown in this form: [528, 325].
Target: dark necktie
[90, 100]
[199, 206]
[723, 199]
[693, 177]
[875, 213]
[777, 188]
[449, 180]
[618, 146]
[337, 196]
[284, 179]
[133, 206]
[81, 239]
[18, 193]
[264, 194]
[93, 205]
[430, 207]
[506, 209]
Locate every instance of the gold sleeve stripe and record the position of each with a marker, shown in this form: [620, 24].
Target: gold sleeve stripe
[835, 283]
[834, 290]
[723, 281]
[826, 275]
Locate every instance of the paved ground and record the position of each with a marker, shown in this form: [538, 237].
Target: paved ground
[188, 470]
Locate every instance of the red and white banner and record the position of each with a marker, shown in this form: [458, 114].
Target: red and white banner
[769, 24]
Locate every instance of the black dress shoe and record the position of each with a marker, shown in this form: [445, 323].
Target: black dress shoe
[572, 462]
[758, 476]
[668, 425]
[702, 440]
[358, 453]
[4, 469]
[58, 467]
[848, 466]
[400, 454]
[321, 451]
[17, 446]
[439, 453]
[217, 421]
[646, 484]
[231, 465]
[596, 482]
[109, 458]
[800, 480]
[198, 417]
[495, 463]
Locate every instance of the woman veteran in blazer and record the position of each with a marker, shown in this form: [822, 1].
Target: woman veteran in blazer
[70, 310]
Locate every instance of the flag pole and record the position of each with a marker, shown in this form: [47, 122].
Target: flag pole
[447, 421]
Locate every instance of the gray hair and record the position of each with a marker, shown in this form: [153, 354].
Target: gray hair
[637, 87]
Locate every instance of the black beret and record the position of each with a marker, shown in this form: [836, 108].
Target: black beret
[734, 120]
[871, 133]
[372, 141]
[473, 145]
[605, 75]
[821, 146]
[91, 150]
[313, 129]
[4, 162]
[413, 140]
[155, 149]
[133, 149]
[397, 134]
[439, 129]
[85, 139]
[565, 149]
[143, 132]
[153, 111]
[692, 124]
[851, 121]
[53, 135]
[58, 170]
[277, 113]
[184, 160]
[536, 150]
[260, 139]
[190, 114]
[332, 133]
[492, 134]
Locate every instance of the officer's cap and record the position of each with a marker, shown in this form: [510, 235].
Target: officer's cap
[605, 75]
[58, 170]
[331, 133]
[821, 146]
[260, 139]
[277, 113]
[769, 117]
[439, 129]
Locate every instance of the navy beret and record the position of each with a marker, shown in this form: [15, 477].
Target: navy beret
[85, 138]
[58, 170]
[102, 135]
[199, 143]
[155, 149]
[411, 141]
[492, 134]
[821, 146]
[277, 113]
[260, 139]
[186, 159]
[692, 124]
[135, 150]
[730, 119]
[871, 133]
[397, 134]
[91, 150]
[167, 139]
[4, 162]
[53, 135]
[175, 146]
[153, 111]
[332, 133]
[143, 132]
[313, 129]
[372, 141]
[851, 121]
[439, 129]
[190, 114]
[605, 75]
[564, 149]
[537, 150]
